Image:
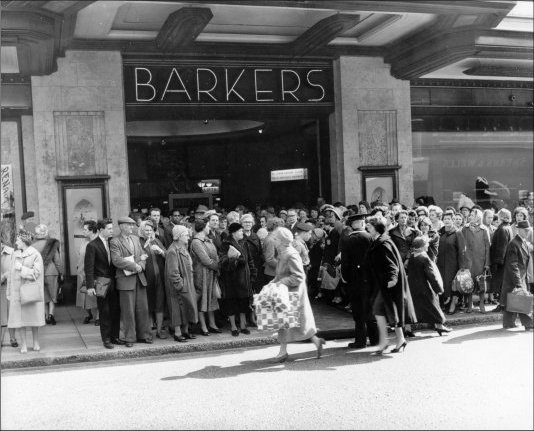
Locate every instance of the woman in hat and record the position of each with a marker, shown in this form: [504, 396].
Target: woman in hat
[290, 272]
[237, 275]
[393, 302]
[26, 267]
[154, 271]
[53, 268]
[477, 252]
[179, 285]
[425, 284]
[205, 269]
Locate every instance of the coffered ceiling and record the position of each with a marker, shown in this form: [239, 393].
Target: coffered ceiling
[419, 39]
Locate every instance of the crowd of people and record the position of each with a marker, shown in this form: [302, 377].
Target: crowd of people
[191, 274]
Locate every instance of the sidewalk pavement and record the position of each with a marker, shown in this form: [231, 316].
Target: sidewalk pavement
[72, 341]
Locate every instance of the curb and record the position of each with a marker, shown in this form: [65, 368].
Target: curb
[146, 352]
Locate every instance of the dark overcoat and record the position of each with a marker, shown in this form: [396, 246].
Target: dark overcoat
[353, 250]
[515, 267]
[237, 273]
[477, 249]
[403, 243]
[425, 285]
[385, 264]
[255, 251]
[501, 238]
[433, 245]
[451, 250]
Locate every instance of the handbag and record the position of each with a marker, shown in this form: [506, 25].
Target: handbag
[328, 281]
[463, 282]
[483, 281]
[31, 292]
[519, 301]
[60, 294]
[102, 285]
[83, 287]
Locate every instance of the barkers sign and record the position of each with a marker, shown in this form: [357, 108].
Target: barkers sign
[184, 83]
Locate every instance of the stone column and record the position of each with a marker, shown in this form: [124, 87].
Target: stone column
[371, 126]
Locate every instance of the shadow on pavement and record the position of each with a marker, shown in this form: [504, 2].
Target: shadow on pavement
[488, 333]
[305, 361]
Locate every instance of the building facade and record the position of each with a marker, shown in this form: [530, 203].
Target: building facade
[114, 106]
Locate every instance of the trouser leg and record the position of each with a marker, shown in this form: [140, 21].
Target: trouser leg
[105, 318]
[127, 304]
[143, 322]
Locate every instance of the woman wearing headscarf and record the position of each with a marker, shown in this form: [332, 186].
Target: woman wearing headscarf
[451, 251]
[154, 271]
[393, 303]
[290, 272]
[237, 275]
[26, 267]
[179, 285]
[477, 252]
[425, 286]
[205, 270]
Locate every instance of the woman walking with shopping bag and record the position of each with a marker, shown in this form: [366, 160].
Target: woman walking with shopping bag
[290, 272]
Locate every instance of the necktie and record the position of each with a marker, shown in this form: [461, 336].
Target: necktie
[106, 246]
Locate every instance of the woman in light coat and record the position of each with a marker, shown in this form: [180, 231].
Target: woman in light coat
[205, 271]
[84, 301]
[180, 288]
[26, 266]
[290, 272]
[477, 252]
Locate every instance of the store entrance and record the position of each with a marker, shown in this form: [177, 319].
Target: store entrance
[234, 163]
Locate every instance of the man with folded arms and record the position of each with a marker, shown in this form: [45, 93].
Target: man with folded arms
[98, 266]
[128, 257]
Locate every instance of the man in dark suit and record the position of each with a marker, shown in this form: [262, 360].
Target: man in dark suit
[515, 274]
[353, 251]
[128, 257]
[292, 219]
[97, 264]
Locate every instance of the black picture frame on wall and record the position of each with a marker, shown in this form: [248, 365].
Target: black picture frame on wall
[379, 183]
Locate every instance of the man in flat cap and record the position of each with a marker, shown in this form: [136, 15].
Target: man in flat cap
[353, 272]
[515, 274]
[128, 257]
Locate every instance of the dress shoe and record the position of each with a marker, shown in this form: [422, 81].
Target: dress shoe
[161, 335]
[180, 338]
[381, 351]
[245, 331]
[356, 346]
[97, 322]
[87, 319]
[148, 341]
[408, 334]
[13, 342]
[118, 342]
[400, 349]
[128, 344]
[205, 333]
[189, 336]
[443, 330]
[235, 333]
[509, 326]
[52, 319]
[214, 330]
[108, 345]
[280, 359]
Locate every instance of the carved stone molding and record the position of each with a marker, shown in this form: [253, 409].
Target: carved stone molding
[321, 33]
[377, 134]
[182, 27]
[80, 143]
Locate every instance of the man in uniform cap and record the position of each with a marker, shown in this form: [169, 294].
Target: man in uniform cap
[353, 251]
[518, 253]
[128, 257]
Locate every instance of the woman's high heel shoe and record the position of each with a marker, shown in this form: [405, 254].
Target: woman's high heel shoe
[280, 359]
[400, 348]
[381, 351]
[442, 330]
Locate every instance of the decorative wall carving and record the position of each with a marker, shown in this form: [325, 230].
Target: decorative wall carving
[80, 143]
[377, 134]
